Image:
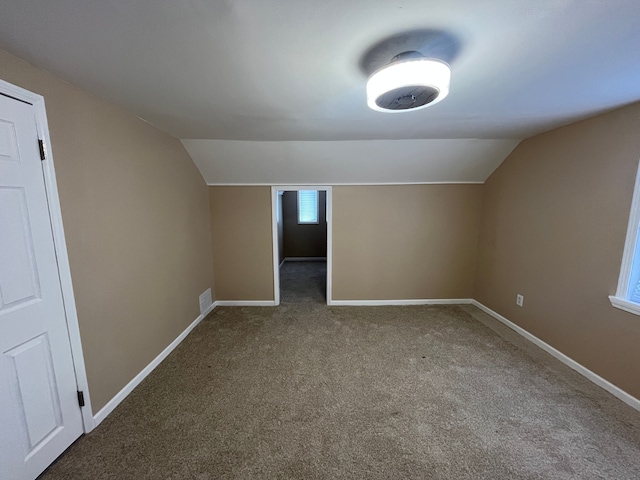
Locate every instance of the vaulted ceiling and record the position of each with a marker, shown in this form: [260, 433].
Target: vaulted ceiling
[289, 72]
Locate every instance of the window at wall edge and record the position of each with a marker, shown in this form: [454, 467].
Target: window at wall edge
[627, 295]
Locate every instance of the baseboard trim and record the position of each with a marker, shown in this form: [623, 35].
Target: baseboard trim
[581, 369]
[244, 303]
[128, 388]
[304, 259]
[378, 303]
[571, 363]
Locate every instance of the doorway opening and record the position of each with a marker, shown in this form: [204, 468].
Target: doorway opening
[301, 226]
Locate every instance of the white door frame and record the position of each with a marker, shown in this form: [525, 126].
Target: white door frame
[55, 214]
[274, 230]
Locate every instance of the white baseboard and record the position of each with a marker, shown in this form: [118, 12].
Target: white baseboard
[128, 388]
[584, 371]
[377, 303]
[244, 303]
[581, 369]
[304, 259]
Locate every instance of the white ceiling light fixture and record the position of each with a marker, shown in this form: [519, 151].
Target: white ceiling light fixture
[409, 82]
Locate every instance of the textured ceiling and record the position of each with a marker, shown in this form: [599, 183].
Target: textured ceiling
[270, 70]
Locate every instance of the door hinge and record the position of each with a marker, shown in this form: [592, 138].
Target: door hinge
[43, 152]
[81, 398]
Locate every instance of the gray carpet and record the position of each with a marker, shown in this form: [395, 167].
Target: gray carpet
[306, 391]
[303, 282]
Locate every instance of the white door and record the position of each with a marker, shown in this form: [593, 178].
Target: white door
[39, 411]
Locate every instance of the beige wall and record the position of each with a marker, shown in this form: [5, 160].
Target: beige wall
[553, 229]
[405, 241]
[307, 240]
[389, 242]
[242, 242]
[136, 219]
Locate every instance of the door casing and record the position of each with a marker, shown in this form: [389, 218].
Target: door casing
[55, 215]
[274, 230]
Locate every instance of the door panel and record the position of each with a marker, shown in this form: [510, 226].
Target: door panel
[39, 412]
[19, 281]
[33, 371]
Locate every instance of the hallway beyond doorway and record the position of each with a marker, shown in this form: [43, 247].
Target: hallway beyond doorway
[303, 282]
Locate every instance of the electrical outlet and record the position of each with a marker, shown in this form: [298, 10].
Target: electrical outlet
[519, 300]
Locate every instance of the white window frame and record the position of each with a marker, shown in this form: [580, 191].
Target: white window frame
[621, 298]
[317, 220]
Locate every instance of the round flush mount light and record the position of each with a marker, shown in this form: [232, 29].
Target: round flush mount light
[409, 82]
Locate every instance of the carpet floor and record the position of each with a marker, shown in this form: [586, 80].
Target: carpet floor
[303, 282]
[306, 391]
